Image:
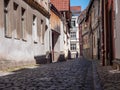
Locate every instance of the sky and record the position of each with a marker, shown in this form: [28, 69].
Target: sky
[82, 3]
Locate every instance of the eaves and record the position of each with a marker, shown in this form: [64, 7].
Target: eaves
[38, 7]
[88, 9]
[54, 9]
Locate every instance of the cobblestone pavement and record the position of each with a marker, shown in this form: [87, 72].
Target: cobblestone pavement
[110, 78]
[69, 75]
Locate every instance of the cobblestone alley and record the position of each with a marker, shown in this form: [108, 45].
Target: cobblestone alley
[69, 75]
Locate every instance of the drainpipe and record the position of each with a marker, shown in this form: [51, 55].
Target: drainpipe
[99, 33]
[102, 32]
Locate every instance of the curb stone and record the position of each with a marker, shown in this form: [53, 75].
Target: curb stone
[96, 79]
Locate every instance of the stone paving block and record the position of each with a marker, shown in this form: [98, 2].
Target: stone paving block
[69, 75]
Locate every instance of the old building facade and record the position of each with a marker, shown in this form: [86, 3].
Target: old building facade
[85, 36]
[34, 31]
[104, 33]
[90, 28]
[64, 8]
[107, 34]
[74, 32]
[56, 24]
[117, 29]
[82, 26]
[24, 32]
[94, 28]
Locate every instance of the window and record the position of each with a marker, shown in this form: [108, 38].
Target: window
[7, 19]
[116, 2]
[94, 42]
[16, 21]
[34, 29]
[73, 46]
[73, 24]
[39, 29]
[73, 35]
[42, 31]
[46, 3]
[23, 23]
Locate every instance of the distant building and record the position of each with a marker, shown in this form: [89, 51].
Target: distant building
[74, 31]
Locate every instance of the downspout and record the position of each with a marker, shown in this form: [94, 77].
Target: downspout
[99, 33]
[102, 32]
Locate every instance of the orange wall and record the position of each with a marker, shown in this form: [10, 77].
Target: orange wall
[54, 20]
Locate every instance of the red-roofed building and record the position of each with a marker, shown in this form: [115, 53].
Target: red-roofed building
[64, 7]
[74, 32]
[61, 5]
[75, 8]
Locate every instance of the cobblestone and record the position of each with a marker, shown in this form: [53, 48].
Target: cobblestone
[109, 77]
[69, 75]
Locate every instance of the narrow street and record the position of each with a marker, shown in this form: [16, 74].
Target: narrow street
[70, 75]
[59, 45]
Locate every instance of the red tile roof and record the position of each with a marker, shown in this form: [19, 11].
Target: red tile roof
[61, 5]
[75, 8]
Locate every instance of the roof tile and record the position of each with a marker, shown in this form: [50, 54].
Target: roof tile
[61, 5]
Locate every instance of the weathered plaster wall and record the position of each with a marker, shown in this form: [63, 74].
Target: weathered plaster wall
[17, 51]
[55, 21]
[117, 29]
